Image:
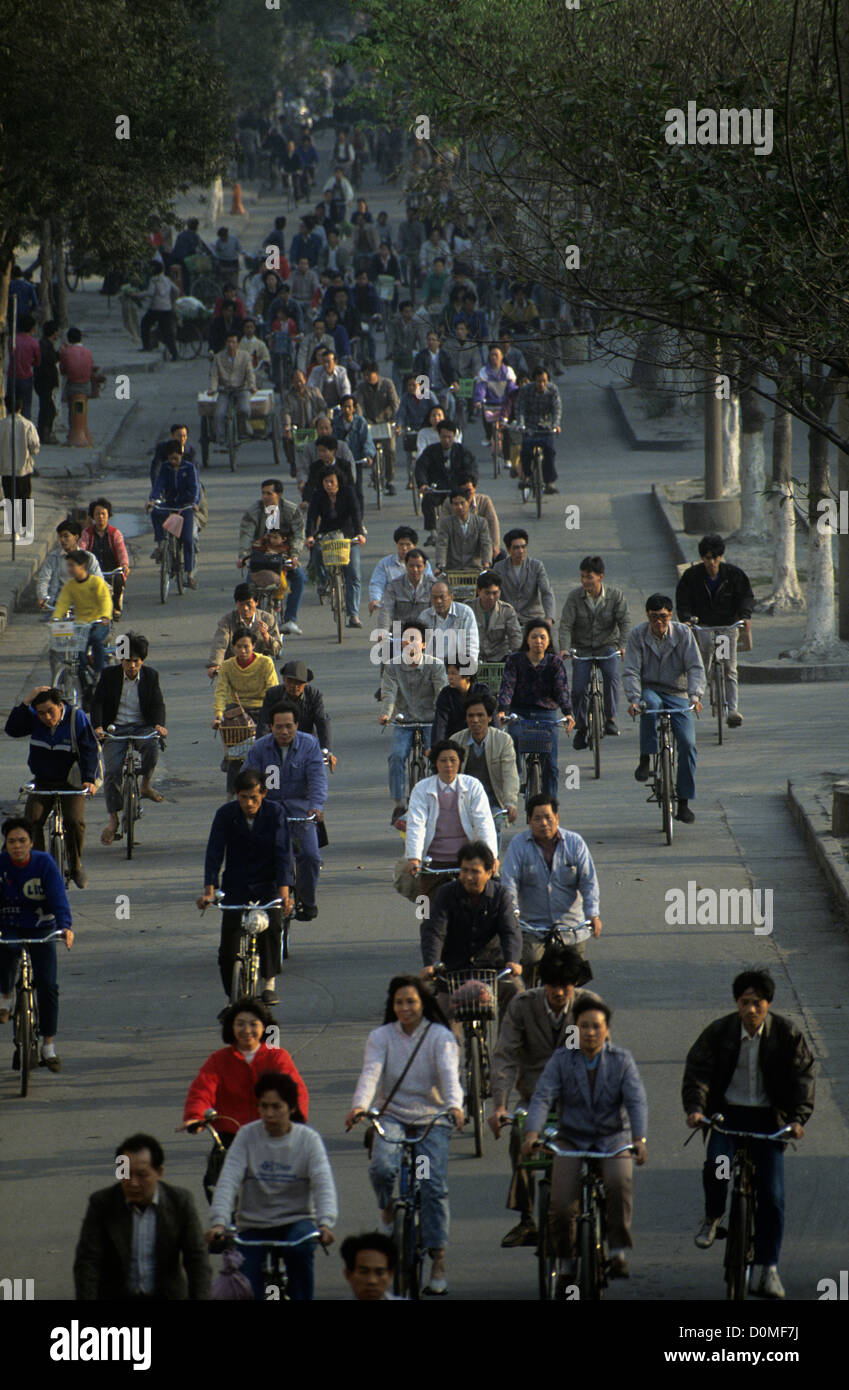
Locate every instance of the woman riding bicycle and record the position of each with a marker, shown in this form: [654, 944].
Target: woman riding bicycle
[535, 686]
[335, 510]
[225, 1082]
[445, 813]
[243, 679]
[411, 1071]
[495, 387]
[33, 903]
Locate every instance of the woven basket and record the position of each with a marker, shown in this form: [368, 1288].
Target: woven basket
[336, 552]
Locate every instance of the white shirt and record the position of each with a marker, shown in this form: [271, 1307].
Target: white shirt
[142, 1278]
[446, 786]
[746, 1085]
[129, 706]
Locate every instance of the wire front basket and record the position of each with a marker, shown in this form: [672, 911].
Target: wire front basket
[490, 673]
[336, 552]
[534, 738]
[463, 583]
[68, 636]
[472, 994]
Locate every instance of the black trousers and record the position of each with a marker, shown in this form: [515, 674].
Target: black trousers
[269, 945]
[165, 320]
[23, 487]
[46, 414]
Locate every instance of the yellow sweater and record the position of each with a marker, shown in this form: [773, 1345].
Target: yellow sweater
[91, 599]
[250, 685]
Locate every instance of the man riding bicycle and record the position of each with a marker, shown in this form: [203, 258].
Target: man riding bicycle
[473, 923]
[129, 697]
[716, 595]
[594, 619]
[538, 411]
[232, 374]
[177, 488]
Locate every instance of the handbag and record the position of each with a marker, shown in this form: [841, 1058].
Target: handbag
[368, 1137]
[173, 523]
[235, 716]
[75, 773]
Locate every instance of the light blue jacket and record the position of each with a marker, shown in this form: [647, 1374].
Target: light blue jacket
[547, 899]
[604, 1119]
[301, 778]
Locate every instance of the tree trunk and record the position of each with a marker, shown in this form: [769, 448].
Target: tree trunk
[46, 287]
[753, 526]
[731, 446]
[820, 639]
[786, 595]
[713, 423]
[5, 277]
[60, 308]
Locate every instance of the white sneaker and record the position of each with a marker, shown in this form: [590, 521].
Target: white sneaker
[291, 630]
[770, 1285]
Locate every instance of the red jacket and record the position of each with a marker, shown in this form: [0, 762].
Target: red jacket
[116, 544]
[226, 1083]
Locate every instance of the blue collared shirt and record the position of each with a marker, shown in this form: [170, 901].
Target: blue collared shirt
[546, 899]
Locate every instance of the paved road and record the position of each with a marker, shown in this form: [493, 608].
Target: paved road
[139, 997]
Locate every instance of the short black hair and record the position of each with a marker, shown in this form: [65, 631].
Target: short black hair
[242, 592]
[352, 1246]
[49, 327]
[446, 424]
[405, 533]
[285, 1087]
[244, 1006]
[18, 823]
[760, 981]
[476, 849]
[542, 799]
[181, 425]
[137, 645]
[487, 579]
[517, 534]
[247, 778]
[276, 483]
[457, 492]
[481, 695]
[413, 623]
[137, 1142]
[74, 335]
[587, 1005]
[173, 447]
[78, 557]
[284, 707]
[654, 602]
[100, 502]
[241, 632]
[530, 626]
[563, 965]
[592, 564]
[70, 524]
[369, 367]
[446, 746]
[51, 696]
[415, 554]
[712, 545]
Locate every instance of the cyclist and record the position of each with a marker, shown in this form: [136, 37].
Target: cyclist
[329, 378]
[539, 410]
[662, 662]
[335, 509]
[378, 401]
[351, 428]
[179, 434]
[446, 616]
[463, 540]
[550, 874]
[225, 1082]
[411, 1071]
[309, 702]
[715, 594]
[301, 407]
[278, 1170]
[490, 753]
[467, 916]
[594, 619]
[129, 697]
[370, 1261]
[231, 374]
[61, 738]
[435, 363]
[177, 487]
[274, 513]
[756, 1068]
[247, 614]
[251, 837]
[33, 903]
[524, 582]
[499, 629]
[107, 543]
[601, 1101]
[406, 598]
[495, 387]
[52, 574]
[413, 408]
[536, 1023]
[481, 505]
[411, 682]
[293, 767]
[243, 680]
[438, 470]
[393, 567]
[535, 686]
[450, 715]
[90, 597]
[445, 812]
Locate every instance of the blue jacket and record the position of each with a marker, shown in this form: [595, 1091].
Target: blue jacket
[614, 1114]
[355, 435]
[51, 752]
[262, 855]
[31, 893]
[300, 781]
[544, 898]
[180, 488]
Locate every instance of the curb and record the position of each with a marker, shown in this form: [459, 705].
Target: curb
[827, 850]
[667, 521]
[667, 445]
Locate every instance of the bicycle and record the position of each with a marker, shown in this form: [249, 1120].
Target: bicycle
[131, 771]
[493, 416]
[244, 982]
[739, 1249]
[25, 1055]
[534, 739]
[409, 444]
[548, 938]
[335, 555]
[472, 997]
[715, 670]
[595, 706]
[296, 848]
[208, 438]
[170, 556]
[407, 1222]
[273, 1271]
[54, 826]
[540, 1165]
[70, 641]
[380, 433]
[536, 488]
[219, 1149]
[592, 1274]
[663, 768]
[416, 761]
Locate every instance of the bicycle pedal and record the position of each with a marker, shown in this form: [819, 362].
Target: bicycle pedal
[721, 1233]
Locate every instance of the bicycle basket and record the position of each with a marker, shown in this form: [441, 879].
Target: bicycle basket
[335, 552]
[490, 673]
[471, 994]
[68, 636]
[534, 738]
[466, 387]
[462, 582]
[385, 286]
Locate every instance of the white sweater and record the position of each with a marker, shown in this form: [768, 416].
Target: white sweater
[281, 1180]
[431, 1084]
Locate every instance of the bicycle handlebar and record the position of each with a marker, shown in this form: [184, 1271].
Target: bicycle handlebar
[715, 1123]
[410, 723]
[644, 709]
[218, 901]
[579, 932]
[441, 969]
[717, 627]
[31, 940]
[551, 1146]
[508, 718]
[374, 1117]
[614, 651]
[32, 790]
[129, 738]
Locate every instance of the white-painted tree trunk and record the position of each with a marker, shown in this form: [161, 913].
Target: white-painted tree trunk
[754, 525]
[820, 639]
[786, 596]
[731, 446]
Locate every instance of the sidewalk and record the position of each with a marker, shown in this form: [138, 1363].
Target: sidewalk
[810, 807]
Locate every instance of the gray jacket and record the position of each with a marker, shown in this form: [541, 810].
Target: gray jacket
[604, 1119]
[402, 602]
[527, 588]
[671, 667]
[456, 551]
[222, 642]
[594, 630]
[499, 753]
[252, 525]
[412, 690]
[502, 635]
[53, 574]
[527, 1039]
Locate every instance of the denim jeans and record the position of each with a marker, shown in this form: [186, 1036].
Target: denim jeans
[299, 1261]
[684, 733]
[402, 742]
[769, 1182]
[296, 579]
[98, 637]
[113, 761]
[385, 1162]
[351, 574]
[550, 771]
[43, 972]
[581, 671]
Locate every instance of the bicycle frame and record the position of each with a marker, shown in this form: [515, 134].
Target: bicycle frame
[663, 766]
[591, 1248]
[246, 963]
[26, 1022]
[54, 824]
[739, 1250]
[407, 1228]
[415, 757]
[715, 671]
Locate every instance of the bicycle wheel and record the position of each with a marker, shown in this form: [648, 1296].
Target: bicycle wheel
[164, 573]
[474, 1099]
[719, 687]
[277, 441]
[251, 974]
[538, 485]
[546, 1254]
[130, 810]
[177, 564]
[204, 440]
[238, 988]
[666, 793]
[534, 782]
[407, 1273]
[495, 459]
[416, 499]
[587, 1280]
[231, 439]
[338, 602]
[24, 1037]
[284, 938]
[57, 849]
[737, 1249]
[377, 471]
[596, 719]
